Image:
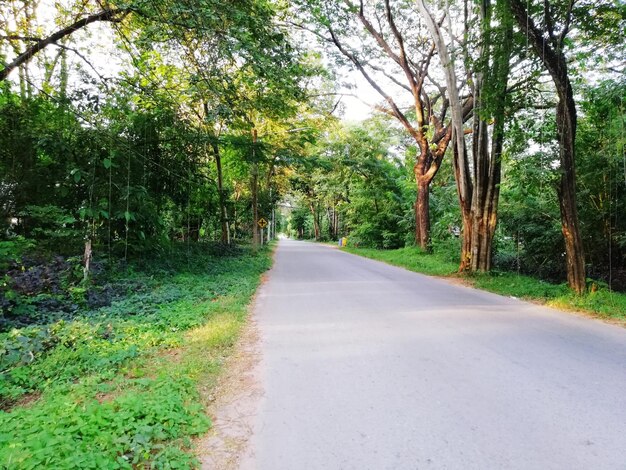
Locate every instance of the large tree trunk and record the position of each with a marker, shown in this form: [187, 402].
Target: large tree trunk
[566, 128]
[490, 88]
[466, 238]
[460, 162]
[484, 213]
[478, 190]
[422, 213]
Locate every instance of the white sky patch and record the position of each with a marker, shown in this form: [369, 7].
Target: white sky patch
[361, 98]
[358, 99]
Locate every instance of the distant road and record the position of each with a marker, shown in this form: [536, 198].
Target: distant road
[368, 366]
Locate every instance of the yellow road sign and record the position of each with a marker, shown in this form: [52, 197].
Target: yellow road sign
[262, 223]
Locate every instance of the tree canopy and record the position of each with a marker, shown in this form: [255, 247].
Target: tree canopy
[130, 125]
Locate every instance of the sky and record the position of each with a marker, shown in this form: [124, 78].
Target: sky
[359, 107]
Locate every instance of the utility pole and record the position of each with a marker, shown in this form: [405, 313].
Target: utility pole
[255, 189]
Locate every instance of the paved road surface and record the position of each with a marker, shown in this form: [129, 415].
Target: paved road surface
[367, 366]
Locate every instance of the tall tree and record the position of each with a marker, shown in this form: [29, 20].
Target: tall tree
[548, 35]
[394, 54]
[477, 179]
[490, 82]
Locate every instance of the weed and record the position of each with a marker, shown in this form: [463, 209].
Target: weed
[118, 385]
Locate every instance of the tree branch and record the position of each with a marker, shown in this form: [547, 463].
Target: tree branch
[79, 54]
[17, 37]
[568, 23]
[548, 19]
[105, 15]
[396, 111]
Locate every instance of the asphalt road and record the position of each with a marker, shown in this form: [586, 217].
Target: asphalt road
[367, 366]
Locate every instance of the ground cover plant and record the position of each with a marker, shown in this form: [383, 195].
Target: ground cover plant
[413, 258]
[599, 301]
[117, 386]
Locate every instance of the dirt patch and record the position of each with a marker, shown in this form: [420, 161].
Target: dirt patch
[456, 280]
[233, 403]
[24, 401]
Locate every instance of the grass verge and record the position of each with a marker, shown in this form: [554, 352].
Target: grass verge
[602, 302]
[118, 387]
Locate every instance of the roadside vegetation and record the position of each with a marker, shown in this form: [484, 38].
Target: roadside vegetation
[145, 144]
[600, 301]
[124, 384]
[491, 136]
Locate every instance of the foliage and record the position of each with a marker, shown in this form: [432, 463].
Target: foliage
[13, 249]
[437, 263]
[529, 219]
[602, 181]
[351, 183]
[118, 385]
[104, 370]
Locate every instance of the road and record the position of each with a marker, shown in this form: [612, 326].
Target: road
[368, 366]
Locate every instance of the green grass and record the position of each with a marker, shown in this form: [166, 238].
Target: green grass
[119, 387]
[602, 302]
[412, 258]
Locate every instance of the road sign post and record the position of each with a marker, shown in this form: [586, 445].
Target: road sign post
[262, 223]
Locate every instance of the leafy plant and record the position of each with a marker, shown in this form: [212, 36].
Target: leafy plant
[117, 386]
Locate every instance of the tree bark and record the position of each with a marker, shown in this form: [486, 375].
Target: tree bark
[87, 255]
[422, 213]
[478, 190]
[490, 88]
[316, 222]
[566, 130]
[460, 161]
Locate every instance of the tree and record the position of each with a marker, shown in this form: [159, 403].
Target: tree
[393, 46]
[477, 181]
[129, 158]
[549, 46]
[351, 184]
[490, 82]
[601, 180]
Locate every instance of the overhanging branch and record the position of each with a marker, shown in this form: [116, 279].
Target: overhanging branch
[30, 52]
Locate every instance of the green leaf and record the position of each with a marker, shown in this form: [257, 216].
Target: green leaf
[76, 174]
[107, 163]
